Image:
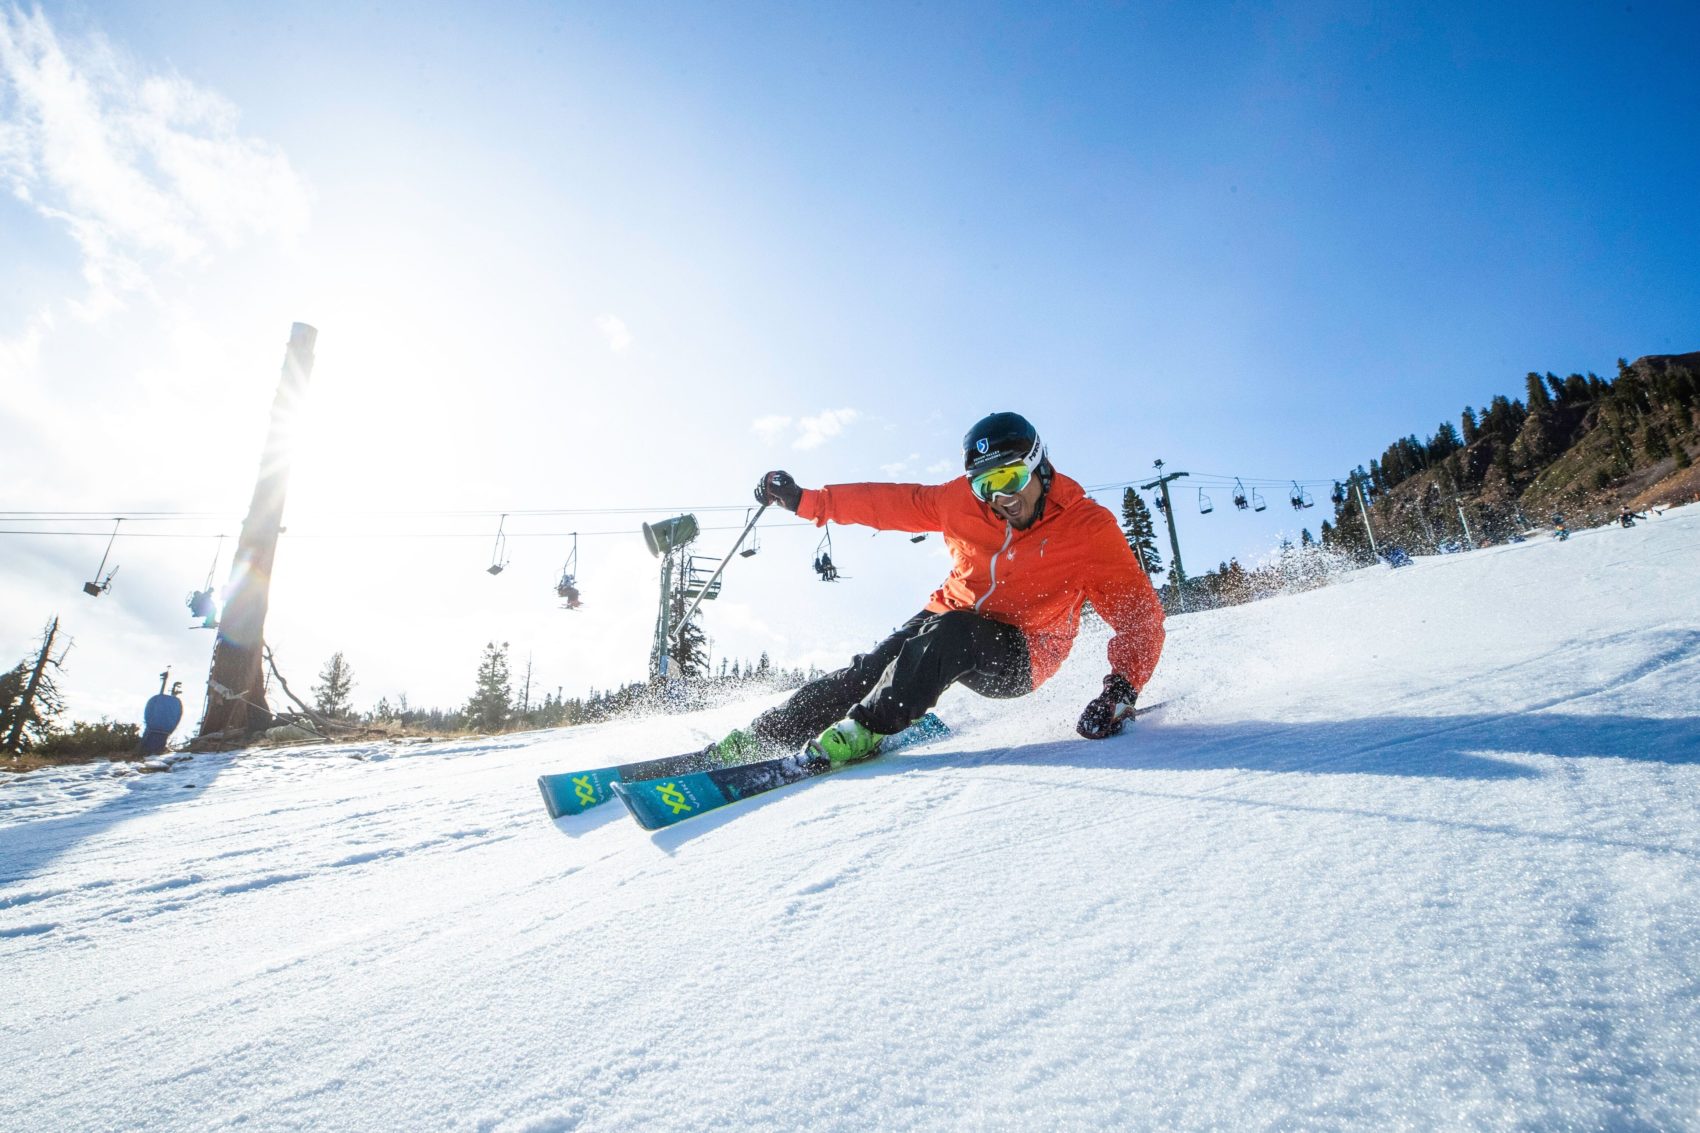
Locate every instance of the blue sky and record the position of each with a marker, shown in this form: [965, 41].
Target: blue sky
[576, 256]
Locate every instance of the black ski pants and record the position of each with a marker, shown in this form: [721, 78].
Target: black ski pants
[894, 684]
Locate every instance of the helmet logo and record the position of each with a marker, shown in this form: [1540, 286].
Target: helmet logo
[981, 445]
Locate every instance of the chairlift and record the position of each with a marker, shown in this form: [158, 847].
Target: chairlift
[824, 565]
[1258, 503]
[1158, 502]
[568, 587]
[203, 603]
[1300, 498]
[96, 589]
[1239, 495]
[1205, 507]
[498, 559]
[749, 552]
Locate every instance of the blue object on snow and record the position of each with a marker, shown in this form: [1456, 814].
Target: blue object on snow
[160, 718]
[1396, 557]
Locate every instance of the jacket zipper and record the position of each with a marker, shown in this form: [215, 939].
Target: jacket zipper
[1008, 534]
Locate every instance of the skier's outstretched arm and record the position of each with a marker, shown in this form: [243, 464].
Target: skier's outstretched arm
[884, 507]
[1123, 595]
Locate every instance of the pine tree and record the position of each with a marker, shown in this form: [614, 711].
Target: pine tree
[331, 694]
[1140, 532]
[1444, 442]
[689, 655]
[492, 702]
[1538, 398]
[1653, 442]
[44, 707]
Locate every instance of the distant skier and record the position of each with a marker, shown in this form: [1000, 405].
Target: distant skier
[1029, 549]
[1559, 530]
[1627, 518]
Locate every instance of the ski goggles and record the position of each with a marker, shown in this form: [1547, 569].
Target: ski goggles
[1004, 481]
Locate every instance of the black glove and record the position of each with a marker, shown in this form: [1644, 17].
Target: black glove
[1104, 717]
[779, 488]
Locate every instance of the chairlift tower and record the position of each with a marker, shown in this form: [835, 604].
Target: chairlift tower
[1162, 485]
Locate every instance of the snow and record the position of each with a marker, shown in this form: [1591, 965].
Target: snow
[1417, 850]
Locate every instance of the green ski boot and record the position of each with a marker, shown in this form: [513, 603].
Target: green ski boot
[845, 742]
[738, 747]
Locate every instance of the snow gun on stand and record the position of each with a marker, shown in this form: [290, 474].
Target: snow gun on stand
[667, 541]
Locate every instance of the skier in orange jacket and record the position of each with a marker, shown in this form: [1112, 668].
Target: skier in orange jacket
[1030, 548]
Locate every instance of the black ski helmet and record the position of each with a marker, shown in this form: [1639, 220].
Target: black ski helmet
[1002, 438]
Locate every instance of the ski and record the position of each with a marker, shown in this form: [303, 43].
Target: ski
[663, 801]
[574, 792]
[660, 802]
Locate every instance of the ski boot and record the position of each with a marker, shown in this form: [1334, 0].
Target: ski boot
[740, 746]
[845, 742]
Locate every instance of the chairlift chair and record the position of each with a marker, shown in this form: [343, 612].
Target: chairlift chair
[498, 560]
[749, 552]
[1300, 498]
[203, 603]
[1205, 507]
[97, 588]
[824, 566]
[1239, 495]
[568, 587]
[1258, 503]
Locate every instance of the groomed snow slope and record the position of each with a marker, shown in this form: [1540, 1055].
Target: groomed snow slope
[1419, 850]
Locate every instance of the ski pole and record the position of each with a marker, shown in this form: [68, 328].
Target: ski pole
[709, 585]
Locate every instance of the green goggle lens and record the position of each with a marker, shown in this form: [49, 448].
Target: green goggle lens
[1008, 480]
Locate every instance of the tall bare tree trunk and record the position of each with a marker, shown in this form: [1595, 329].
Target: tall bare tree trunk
[236, 698]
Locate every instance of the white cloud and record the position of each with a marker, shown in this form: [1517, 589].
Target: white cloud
[817, 430]
[771, 428]
[135, 167]
[811, 432]
[614, 329]
[899, 468]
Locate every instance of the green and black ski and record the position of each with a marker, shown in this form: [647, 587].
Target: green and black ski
[664, 800]
[574, 792]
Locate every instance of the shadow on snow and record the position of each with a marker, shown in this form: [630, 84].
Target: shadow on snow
[1481, 747]
[28, 846]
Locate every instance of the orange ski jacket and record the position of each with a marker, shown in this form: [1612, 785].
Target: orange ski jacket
[1036, 580]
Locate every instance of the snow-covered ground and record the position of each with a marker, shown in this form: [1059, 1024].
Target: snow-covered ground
[1419, 850]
